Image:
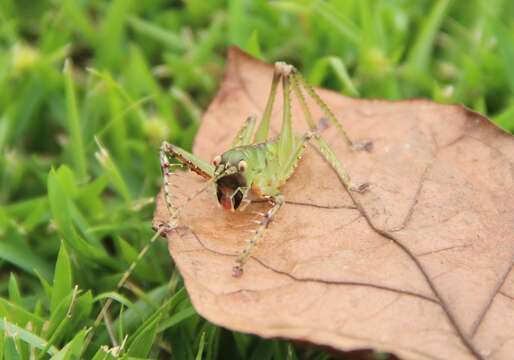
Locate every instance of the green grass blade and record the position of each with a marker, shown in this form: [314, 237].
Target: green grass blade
[72, 348]
[111, 47]
[252, 45]
[14, 290]
[177, 318]
[321, 70]
[341, 23]
[237, 22]
[154, 32]
[12, 330]
[2, 344]
[116, 297]
[506, 47]
[134, 316]
[421, 51]
[117, 180]
[142, 340]
[11, 351]
[24, 258]
[77, 14]
[18, 314]
[199, 354]
[62, 284]
[506, 118]
[60, 205]
[74, 123]
[104, 354]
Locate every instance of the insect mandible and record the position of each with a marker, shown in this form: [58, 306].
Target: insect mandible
[261, 164]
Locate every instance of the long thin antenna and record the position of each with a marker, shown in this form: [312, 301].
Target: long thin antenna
[124, 278]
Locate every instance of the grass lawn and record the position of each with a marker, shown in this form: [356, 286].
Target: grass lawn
[89, 89]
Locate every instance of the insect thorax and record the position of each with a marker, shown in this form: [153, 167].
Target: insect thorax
[266, 173]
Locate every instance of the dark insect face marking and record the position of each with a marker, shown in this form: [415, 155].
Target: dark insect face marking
[228, 191]
[219, 194]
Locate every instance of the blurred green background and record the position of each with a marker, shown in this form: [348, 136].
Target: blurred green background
[89, 89]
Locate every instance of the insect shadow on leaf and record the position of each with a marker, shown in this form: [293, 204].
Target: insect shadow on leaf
[258, 163]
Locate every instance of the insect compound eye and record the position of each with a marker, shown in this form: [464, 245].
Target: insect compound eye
[242, 166]
[217, 160]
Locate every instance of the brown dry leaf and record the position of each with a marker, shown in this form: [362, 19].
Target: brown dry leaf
[419, 266]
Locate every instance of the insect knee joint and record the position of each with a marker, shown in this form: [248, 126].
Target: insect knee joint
[283, 68]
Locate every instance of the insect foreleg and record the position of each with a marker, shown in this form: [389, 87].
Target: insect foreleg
[277, 202]
[193, 163]
[165, 167]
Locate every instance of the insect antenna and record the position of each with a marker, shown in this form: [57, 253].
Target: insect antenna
[225, 172]
[108, 302]
[197, 192]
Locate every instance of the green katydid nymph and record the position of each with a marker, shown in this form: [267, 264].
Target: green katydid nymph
[261, 164]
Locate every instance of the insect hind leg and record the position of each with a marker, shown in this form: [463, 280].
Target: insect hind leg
[334, 162]
[323, 146]
[298, 82]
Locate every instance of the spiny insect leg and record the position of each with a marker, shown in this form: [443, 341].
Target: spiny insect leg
[165, 167]
[193, 163]
[332, 159]
[277, 202]
[296, 155]
[323, 146]
[324, 107]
